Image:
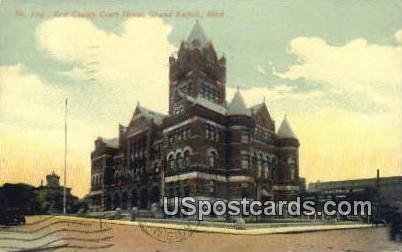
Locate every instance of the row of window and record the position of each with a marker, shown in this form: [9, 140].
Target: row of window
[137, 149]
[258, 161]
[179, 134]
[179, 161]
[263, 160]
[177, 189]
[260, 134]
[97, 180]
[208, 92]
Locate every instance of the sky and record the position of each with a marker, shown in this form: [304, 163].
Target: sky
[333, 67]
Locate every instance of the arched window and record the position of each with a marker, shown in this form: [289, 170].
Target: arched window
[212, 159]
[179, 160]
[156, 167]
[171, 162]
[186, 158]
[254, 162]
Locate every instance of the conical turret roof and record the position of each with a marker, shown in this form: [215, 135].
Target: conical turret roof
[237, 106]
[285, 131]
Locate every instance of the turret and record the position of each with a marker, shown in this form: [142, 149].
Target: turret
[239, 124]
[286, 136]
[288, 156]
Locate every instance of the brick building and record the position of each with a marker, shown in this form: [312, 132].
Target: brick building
[204, 147]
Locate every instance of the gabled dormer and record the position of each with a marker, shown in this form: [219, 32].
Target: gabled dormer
[262, 116]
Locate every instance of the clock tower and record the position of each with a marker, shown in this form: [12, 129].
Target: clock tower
[196, 73]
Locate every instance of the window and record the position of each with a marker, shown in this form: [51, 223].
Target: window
[245, 161]
[171, 162]
[156, 167]
[212, 159]
[254, 162]
[211, 188]
[179, 134]
[244, 136]
[208, 92]
[244, 191]
[179, 160]
[186, 133]
[262, 161]
[211, 132]
[186, 158]
[292, 174]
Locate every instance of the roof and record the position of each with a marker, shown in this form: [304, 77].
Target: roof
[196, 37]
[210, 105]
[364, 182]
[157, 117]
[256, 107]
[204, 103]
[285, 131]
[237, 106]
[111, 142]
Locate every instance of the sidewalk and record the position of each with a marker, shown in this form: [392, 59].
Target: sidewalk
[223, 230]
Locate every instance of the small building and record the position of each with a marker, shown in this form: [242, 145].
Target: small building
[51, 195]
[384, 193]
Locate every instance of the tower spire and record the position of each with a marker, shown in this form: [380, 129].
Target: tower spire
[196, 37]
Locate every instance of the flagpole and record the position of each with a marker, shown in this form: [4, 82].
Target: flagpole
[65, 161]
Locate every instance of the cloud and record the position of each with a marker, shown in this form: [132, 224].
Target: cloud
[356, 69]
[359, 107]
[24, 97]
[279, 94]
[261, 70]
[129, 64]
